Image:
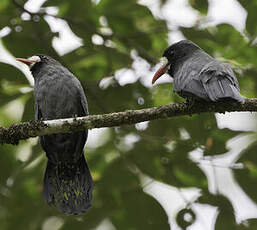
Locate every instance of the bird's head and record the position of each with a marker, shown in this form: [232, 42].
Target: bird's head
[174, 54]
[37, 60]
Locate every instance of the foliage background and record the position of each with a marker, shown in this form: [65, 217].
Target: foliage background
[114, 34]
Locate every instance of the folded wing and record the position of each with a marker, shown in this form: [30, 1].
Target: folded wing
[220, 82]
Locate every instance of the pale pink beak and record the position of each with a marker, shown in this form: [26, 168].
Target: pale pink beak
[26, 61]
[162, 70]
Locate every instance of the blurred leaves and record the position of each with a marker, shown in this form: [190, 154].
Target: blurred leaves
[11, 81]
[161, 150]
[251, 8]
[247, 177]
[29, 37]
[9, 73]
[226, 216]
[201, 5]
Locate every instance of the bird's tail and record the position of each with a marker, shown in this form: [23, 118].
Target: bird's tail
[68, 186]
[221, 88]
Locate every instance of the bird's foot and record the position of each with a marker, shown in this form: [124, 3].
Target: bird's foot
[190, 101]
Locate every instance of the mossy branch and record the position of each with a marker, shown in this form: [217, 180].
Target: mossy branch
[25, 130]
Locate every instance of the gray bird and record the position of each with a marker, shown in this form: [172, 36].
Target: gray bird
[198, 76]
[58, 94]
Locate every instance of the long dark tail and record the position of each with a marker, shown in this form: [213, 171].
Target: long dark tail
[68, 186]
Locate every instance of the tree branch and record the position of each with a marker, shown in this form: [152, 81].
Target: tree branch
[25, 130]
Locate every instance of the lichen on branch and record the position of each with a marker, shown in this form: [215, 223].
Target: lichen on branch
[25, 130]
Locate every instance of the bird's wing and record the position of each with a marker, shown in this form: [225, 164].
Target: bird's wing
[38, 116]
[84, 107]
[220, 82]
[37, 111]
[82, 96]
[187, 82]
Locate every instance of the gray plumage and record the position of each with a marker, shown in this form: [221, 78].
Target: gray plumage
[58, 94]
[196, 74]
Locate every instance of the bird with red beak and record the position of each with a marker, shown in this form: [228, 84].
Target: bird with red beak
[58, 94]
[197, 75]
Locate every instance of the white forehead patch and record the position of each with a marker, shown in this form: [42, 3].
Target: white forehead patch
[164, 61]
[35, 58]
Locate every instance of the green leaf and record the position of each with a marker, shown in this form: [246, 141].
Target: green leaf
[201, 5]
[247, 177]
[11, 73]
[251, 8]
[35, 37]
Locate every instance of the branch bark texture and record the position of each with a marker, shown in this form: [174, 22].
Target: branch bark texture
[25, 130]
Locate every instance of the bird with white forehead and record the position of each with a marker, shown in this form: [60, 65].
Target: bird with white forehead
[58, 94]
[197, 75]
